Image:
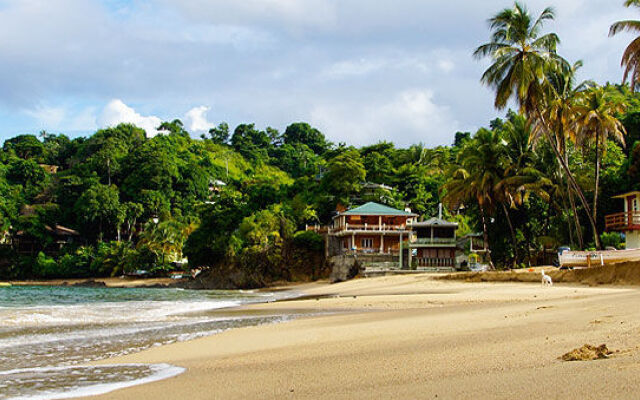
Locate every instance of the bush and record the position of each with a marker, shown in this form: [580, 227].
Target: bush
[46, 267]
[612, 239]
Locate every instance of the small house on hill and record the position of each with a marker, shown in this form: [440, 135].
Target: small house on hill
[26, 243]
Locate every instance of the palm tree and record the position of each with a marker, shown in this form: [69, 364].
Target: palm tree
[521, 59]
[520, 56]
[631, 56]
[596, 122]
[521, 178]
[562, 92]
[476, 176]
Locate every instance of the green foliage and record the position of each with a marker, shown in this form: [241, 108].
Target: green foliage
[612, 239]
[345, 173]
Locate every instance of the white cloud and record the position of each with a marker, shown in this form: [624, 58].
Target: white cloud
[293, 14]
[47, 117]
[411, 116]
[349, 68]
[196, 120]
[116, 112]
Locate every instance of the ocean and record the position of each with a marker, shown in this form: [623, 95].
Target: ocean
[48, 334]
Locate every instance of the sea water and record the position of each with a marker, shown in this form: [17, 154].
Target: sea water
[48, 334]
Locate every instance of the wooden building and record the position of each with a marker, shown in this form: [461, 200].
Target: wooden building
[433, 243]
[28, 244]
[628, 221]
[371, 228]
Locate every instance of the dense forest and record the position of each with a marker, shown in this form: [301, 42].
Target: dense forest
[239, 200]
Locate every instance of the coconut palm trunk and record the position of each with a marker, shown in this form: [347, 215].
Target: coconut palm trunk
[485, 236]
[571, 178]
[514, 242]
[597, 177]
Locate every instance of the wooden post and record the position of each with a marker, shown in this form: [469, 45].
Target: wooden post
[380, 222]
[353, 242]
[381, 244]
[410, 255]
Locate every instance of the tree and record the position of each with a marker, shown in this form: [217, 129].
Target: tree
[303, 133]
[220, 134]
[521, 57]
[100, 204]
[596, 122]
[631, 56]
[175, 127]
[477, 175]
[24, 146]
[252, 143]
[559, 112]
[344, 176]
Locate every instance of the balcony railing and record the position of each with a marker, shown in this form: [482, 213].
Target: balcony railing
[623, 220]
[435, 262]
[435, 241]
[369, 228]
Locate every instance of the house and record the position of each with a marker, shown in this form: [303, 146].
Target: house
[50, 169]
[370, 229]
[627, 222]
[433, 243]
[26, 243]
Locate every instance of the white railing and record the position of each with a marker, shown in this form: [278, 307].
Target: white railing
[368, 227]
[597, 258]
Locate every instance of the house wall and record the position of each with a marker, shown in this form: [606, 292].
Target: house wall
[390, 242]
[436, 253]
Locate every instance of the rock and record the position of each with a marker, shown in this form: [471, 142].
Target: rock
[587, 353]
[223, 279]
[90, 283]
[344, 268]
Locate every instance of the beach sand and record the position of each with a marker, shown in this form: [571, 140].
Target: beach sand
[413, 337]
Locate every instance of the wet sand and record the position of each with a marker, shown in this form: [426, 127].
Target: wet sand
[412, 337]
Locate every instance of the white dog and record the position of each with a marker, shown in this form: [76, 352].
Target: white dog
[546, 279]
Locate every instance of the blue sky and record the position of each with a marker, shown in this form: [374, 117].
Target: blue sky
[359, 70]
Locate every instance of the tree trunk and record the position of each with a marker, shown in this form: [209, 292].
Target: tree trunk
[571, 238]
[514, 242]
[597, 183]
[485, 237]
[573, 181]
[576, 219]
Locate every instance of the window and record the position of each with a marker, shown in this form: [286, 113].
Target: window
[367, 243]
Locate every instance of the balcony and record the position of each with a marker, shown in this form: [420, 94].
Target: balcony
[624, 221]
[369, 228]
[435, 241]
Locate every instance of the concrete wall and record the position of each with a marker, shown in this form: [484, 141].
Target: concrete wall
[633, 239]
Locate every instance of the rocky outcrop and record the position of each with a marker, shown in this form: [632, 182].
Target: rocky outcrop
[344, 268]
[223, 279]
[90, 283]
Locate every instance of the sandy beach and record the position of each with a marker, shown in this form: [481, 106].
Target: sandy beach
[410, 337]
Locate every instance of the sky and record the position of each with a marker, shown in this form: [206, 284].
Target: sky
[361, 71]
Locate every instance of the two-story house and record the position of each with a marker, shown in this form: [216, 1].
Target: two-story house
[371, 228]
[434, 243]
